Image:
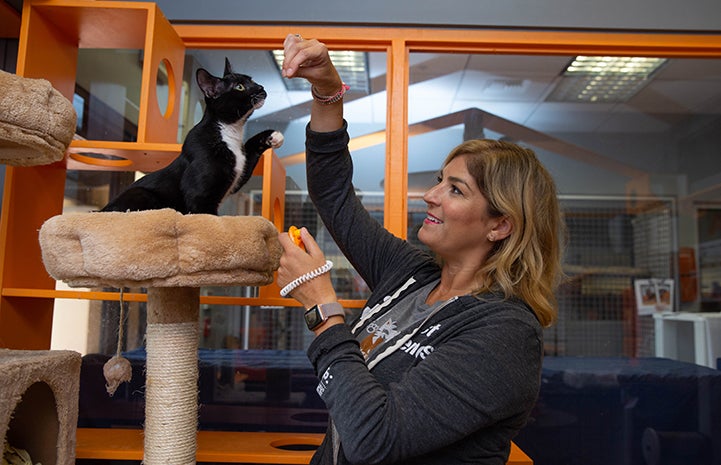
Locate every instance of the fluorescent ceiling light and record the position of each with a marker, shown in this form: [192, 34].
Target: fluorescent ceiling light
[604, 79]
[352, 67]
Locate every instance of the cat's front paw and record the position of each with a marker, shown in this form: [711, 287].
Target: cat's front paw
[276, 139]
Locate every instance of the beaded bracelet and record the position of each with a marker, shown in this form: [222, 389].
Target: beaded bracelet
[306, 277]
[329, 99]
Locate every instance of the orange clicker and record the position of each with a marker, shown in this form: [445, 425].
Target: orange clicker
[294, 234]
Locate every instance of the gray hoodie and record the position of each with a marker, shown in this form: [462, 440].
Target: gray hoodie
[454, 390]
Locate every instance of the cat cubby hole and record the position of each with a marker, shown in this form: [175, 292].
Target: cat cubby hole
[34, 424]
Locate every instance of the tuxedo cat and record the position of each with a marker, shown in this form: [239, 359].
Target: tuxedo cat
[214, 162]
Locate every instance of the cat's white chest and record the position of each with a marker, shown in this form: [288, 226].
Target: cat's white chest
[232, 135]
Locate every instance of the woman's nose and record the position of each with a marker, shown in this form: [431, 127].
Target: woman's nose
[430, 195]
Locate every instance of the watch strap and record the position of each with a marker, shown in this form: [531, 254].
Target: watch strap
[319, 314]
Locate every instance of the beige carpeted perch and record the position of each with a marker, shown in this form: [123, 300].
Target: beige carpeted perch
[159, 248]
[173, 255]
[37, 122]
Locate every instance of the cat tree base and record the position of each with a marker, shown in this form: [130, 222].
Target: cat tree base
[39, 403]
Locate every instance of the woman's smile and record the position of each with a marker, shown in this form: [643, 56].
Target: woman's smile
[430, 219]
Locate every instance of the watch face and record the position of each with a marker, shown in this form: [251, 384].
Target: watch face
[313, 318]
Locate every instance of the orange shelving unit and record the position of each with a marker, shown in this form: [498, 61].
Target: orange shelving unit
[51, 34]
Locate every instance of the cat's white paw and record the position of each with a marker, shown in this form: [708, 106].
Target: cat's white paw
[276, 139]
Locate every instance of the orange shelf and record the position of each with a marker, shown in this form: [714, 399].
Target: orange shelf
[518, 457]
[221, 446]
[140, 297]
[120, 156]
[213, 446]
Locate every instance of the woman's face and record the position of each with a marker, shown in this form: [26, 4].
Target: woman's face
[457, 223]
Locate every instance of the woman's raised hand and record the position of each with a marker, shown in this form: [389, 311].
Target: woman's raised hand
[309, 59]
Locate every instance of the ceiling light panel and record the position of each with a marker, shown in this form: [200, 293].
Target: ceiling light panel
[352, 67]
[604, 79]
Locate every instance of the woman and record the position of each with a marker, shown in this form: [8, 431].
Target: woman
[443, 364]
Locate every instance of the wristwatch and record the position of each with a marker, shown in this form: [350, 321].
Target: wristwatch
[318, 314]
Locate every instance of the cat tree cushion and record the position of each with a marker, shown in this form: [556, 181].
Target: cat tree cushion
[37, 122]
[159, 248]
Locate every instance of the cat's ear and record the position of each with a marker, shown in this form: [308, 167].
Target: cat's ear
[228, 68]
[207, 83]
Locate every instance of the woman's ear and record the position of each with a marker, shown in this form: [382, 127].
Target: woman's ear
[502, 229]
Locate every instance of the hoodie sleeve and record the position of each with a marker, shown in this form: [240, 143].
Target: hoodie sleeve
[371, 249]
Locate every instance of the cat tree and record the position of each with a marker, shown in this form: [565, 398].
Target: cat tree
[172, 255]
[38, 388]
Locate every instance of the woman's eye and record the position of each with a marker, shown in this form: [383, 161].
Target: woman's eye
[240, 87]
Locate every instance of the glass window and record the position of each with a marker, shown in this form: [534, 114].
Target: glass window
[635, 159]
[632, 161]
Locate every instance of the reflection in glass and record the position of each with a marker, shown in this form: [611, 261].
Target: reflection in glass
[653, 148]
[108, 85]
[639, 178]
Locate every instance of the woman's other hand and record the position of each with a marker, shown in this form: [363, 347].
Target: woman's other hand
[296, 262]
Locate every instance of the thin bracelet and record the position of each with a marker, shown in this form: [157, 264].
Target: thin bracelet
[329, 99]
[306, 277]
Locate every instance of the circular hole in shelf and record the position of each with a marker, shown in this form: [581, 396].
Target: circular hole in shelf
[297, 447]
[165, 87]
[298, 444]
[311, 417]
[100, 159]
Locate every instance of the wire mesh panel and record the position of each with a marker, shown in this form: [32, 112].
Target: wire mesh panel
[609, 246]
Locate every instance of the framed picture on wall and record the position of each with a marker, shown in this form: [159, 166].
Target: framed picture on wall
[654, 296]
[709, 256]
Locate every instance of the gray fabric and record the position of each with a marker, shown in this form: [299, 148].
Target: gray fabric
[454, 390]
[400, 319]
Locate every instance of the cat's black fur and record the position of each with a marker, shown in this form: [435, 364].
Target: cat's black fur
[214, 162]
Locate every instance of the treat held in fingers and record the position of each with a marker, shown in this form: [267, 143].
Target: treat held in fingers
[294, 233]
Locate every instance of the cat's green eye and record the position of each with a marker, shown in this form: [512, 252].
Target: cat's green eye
[240, 87]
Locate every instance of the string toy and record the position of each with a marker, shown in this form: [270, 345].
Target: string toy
[117, 370]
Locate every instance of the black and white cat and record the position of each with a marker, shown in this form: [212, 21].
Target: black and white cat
[214, 162]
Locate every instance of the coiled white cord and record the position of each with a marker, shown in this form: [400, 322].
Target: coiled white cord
[306, 277]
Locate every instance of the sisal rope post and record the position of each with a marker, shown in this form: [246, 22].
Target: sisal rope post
[171, 392]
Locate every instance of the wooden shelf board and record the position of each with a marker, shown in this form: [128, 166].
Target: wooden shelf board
[119, 156]
[220, 446]
[213, 446]
[140, 297]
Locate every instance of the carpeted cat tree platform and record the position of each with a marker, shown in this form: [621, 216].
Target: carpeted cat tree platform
[37, 122]
[172, 255]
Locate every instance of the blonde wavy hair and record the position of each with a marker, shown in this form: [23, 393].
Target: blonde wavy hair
[526, 264]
